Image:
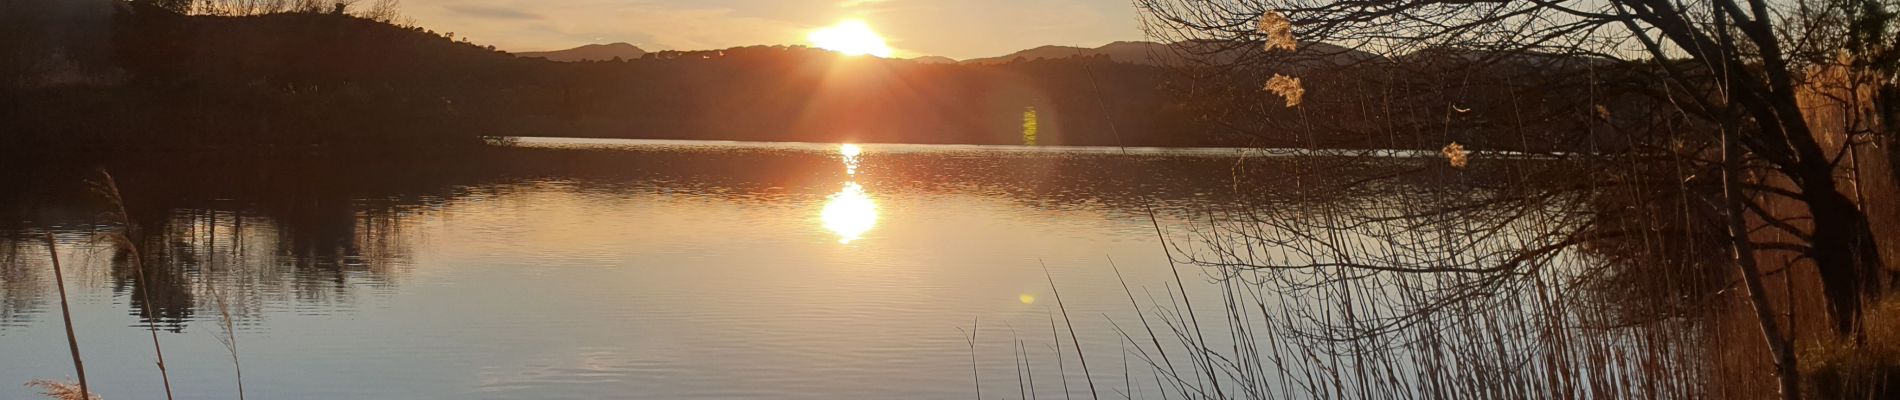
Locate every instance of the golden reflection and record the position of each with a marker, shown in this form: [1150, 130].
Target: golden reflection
[1027, 299]
[850, 212]
[850, 153]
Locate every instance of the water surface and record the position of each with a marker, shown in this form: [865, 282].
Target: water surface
[612, 269]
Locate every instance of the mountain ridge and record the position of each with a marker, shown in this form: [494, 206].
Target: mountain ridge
[591, 52]
[1180, 53]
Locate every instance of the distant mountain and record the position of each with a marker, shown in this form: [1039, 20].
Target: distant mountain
[245, 80]
[934, 60]
[592, 52]
[1151, 53]
[1147, 53]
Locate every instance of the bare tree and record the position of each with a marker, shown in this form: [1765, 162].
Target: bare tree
[386, 11]
[1671, 137]
[1720, 65]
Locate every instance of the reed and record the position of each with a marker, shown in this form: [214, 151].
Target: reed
[62, 390]
[122, 239]
[66, 315]
[1072, 339]
[975, 377]
[219, 299]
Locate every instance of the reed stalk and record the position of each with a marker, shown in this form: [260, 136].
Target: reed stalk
[110, 189]
[225, 322]
[66, 313]
[1072, 338]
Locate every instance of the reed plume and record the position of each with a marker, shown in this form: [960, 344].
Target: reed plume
[62, 390]
[1288, 87]
[1279, 31]
[122, 239]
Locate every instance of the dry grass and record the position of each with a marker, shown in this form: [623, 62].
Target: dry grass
[1837, 109]
[1323, 332]
[1839, 105]
[1839, 368]
[60, 390]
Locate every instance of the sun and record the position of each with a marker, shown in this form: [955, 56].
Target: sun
[852, 37]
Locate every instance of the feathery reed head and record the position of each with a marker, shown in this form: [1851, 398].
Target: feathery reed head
[1457, 153]
[1288, 87]
[60, 390]
[1279, 31]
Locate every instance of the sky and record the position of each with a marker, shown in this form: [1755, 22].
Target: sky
[959, 29]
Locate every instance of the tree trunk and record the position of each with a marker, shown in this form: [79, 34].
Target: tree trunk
[1786, 373]
[1845, 251]
[1888, 103]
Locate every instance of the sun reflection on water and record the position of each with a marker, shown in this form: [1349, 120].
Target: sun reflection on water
[850, 212]
[850, 153]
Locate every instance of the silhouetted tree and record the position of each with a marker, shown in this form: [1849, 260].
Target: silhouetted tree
[1736, 67]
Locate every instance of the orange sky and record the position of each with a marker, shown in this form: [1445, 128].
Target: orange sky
[954, 28]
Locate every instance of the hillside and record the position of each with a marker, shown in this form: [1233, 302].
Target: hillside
[1146, 53]
[1190, 53]
[934, 60]
[339, 83]
[330, 81]
[592, 52]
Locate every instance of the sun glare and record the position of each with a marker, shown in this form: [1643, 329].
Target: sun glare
[850, 37]
[850, 153]
[850, 213]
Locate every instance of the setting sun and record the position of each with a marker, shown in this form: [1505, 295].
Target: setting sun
[850, 37]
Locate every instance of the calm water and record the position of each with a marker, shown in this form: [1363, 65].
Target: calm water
[576, 269]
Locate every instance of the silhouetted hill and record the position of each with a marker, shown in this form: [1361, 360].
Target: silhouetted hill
[280, 81]
[332, 81]
[934, 60]
[592, 52]
[1147, 53]
[318, 82]
[1309, 54]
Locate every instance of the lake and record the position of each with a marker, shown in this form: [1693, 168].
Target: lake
[618, 269]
